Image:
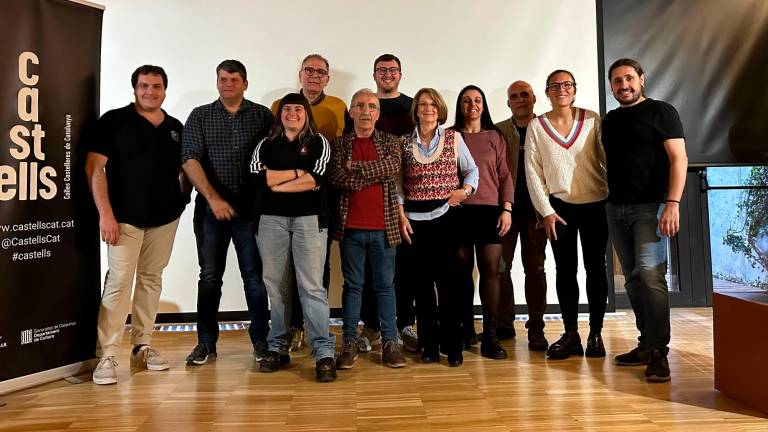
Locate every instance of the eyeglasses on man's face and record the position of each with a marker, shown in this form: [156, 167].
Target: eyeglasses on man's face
[383, 70]
[310, 71]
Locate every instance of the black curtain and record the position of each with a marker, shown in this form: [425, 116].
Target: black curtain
[708, 58]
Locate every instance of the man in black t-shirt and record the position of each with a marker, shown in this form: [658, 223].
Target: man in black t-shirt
[394, 118]
[395, 112]
[533, 239]
[646, 163]
[134, 172]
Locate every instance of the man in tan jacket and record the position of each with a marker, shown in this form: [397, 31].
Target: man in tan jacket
[520, 99]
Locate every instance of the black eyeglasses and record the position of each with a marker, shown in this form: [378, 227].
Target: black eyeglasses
[383, 70]
[312, 71]
[565, 85]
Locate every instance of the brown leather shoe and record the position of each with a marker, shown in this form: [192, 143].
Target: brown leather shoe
[325, 370]
[347, 356]
[569, 344]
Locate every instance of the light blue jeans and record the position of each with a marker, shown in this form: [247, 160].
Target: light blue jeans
[281, 238]
[642, 251]
[357, 248]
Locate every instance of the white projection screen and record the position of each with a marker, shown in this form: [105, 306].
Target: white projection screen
[443, 44]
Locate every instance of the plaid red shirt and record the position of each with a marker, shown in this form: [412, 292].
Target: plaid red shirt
[382, 170]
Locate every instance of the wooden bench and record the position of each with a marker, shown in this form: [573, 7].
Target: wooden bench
[741, 347]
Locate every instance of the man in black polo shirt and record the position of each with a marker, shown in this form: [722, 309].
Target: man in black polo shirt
[219, 139]
[646, 163]
[133, 169]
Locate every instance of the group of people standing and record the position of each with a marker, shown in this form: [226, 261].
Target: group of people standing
[415, 207]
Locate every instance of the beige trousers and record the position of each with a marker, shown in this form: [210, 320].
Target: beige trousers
[143, 252]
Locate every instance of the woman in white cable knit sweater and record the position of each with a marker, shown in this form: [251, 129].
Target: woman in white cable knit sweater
[565, 170]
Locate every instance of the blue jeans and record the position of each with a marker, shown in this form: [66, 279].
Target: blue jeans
[281, 238]
[357, 247]
[213, 237]
[642, 251]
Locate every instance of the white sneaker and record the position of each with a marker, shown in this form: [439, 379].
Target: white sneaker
[148, 358]
[105, 372]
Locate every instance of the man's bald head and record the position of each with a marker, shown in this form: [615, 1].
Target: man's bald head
[520, 99]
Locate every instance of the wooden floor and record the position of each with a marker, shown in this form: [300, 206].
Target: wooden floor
[524, 392]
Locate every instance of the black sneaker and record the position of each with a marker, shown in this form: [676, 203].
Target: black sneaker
[636, 357]
[202, 353]
[325, 369]
[260, 349]
[273, 360]
[658, 367]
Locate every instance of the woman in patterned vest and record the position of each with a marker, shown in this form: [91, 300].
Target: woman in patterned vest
[433, 158]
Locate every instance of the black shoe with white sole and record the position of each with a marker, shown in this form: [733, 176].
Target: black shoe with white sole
[202, 353]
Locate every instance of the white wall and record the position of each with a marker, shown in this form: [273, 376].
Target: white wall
[442, 44]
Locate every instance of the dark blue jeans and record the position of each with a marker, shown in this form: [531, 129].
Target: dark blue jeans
[213, 237]
[642, 252]
[358, 248]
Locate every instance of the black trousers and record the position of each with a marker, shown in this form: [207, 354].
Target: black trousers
[588, 223]
[434, 258]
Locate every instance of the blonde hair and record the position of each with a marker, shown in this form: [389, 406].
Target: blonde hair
[442, 108]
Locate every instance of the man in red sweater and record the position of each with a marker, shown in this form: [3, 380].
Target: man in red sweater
[365, 162]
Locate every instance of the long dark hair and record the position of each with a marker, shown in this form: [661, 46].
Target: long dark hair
[309, 128]
[486, 123]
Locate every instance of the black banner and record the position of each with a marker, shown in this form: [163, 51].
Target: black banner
[49, 242]
[708, 58]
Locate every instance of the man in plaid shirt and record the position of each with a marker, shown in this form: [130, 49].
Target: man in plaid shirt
[364, 165]
[217, 146]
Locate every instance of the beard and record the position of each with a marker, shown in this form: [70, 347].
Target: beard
[634, 97]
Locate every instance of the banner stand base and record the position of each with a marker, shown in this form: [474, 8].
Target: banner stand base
[43, 377]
